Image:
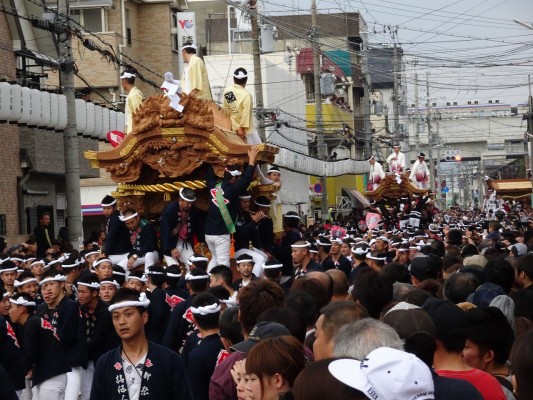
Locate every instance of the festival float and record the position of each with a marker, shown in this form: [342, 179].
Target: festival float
[168, 149]
[393, 187]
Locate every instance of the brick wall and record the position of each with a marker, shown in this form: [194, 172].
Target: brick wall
[10, 140]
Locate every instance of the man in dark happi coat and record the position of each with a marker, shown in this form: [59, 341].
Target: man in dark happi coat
[138, 368]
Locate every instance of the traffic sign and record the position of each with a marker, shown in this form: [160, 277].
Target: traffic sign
[317, 188]
[445, 189]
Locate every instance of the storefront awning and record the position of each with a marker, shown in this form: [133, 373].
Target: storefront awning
[357, 198]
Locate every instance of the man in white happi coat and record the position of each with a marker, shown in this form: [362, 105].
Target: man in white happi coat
[420, 172]
[396, 161]
[376, 173]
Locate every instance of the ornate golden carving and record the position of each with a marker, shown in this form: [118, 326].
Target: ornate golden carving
[167, 149]
[90, 154]
[130, 144]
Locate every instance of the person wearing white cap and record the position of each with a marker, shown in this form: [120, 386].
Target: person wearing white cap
[117, 244]
[143, 239]
[238, 105]
[396, 160]
[43, 353]
[420, 172]
[137, 368]
[387, 374]
[134, 98]
[194, 73]
[178, 227]
[376, 173]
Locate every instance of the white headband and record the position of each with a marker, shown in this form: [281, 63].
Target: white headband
[3, 260]
[206, 310]
[76, 263]
[171, 275]
[114, 283]
[231, 302]
[296, 246]
[36, 263]
[272, 169]
[245, 260]
[109, 204]
[149, 272]
[240, 75]
[185, 198]
[189, 46]
[119, 273]
[235, 172]
[53, 262]
[92, 285]
[102, 260]
[22, 302]
[22, 283]
[272, 266]
[57, 278]
[126, 75]
[359, 251]
[124, 219]
[141, 278]
[8, 269]
[142, 302]
[371, 257]
[291, 216]
[92, 252]
[261, 204]
[17, 259]
[194, 259]
[190, 277]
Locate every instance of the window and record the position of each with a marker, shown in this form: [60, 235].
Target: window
[3, 229]
[128, 28]
[92, 19]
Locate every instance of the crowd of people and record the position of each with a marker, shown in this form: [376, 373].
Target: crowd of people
[397, 301]
[423, 304]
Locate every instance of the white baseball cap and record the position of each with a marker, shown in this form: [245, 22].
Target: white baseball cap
[386, 374]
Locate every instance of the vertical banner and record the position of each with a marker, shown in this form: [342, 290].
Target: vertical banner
[186, 32]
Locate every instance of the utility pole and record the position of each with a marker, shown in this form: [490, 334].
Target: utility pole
[321, 149]
[367, 88]
[417, 127]
[395, 104]
[430, 138]
[258, 77]
[530, 132]
[70, 135]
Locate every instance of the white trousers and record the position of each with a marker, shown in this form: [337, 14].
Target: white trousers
[25, 394]
[72, 391]
[186, 250]
[149, 259]
[116, 258]
[86, 381]
[219, 246]
[53, 388]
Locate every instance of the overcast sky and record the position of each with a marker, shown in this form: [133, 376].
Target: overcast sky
[472, 49]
